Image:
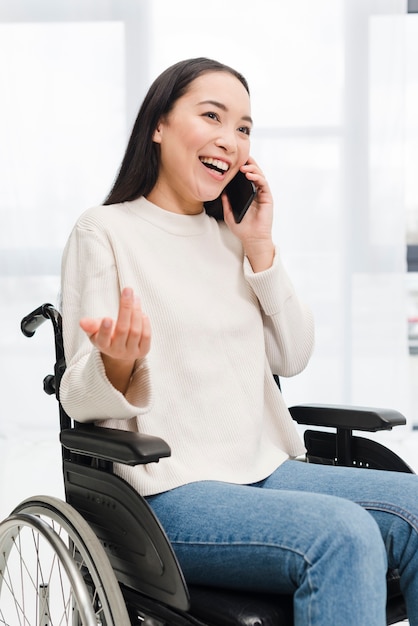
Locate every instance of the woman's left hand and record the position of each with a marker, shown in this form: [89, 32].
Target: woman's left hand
[254, 230]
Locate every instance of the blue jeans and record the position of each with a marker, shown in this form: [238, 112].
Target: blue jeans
[325, 534]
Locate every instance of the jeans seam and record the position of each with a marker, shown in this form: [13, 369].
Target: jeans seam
[245, 544]
[390, 508]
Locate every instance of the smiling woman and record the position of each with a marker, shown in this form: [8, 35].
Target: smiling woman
[139, 169]
[224, 318]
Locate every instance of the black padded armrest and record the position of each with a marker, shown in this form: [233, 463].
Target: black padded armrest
[349, 417]
[112, 444]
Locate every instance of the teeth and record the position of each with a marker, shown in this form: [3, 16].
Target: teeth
[220, 165]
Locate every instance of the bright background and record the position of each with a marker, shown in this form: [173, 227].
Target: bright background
[334, 88]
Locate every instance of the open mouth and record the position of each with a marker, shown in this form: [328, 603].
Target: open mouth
[215, 164]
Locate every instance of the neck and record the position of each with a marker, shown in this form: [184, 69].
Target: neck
[174, 203]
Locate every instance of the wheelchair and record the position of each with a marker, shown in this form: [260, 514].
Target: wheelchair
[102, 557]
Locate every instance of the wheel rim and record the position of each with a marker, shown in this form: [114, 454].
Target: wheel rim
[86, 551]
[40, 584]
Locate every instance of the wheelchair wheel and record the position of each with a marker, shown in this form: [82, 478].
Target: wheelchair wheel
[53, 569]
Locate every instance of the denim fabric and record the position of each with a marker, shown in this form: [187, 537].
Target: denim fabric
[302, 531]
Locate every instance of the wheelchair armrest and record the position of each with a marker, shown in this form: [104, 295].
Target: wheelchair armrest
[112, 444]
[347, 417]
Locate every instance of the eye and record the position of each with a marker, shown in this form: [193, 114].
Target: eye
[246, 130]
[212, 115]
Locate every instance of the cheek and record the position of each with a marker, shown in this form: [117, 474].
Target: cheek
[245, 151]
[195, 138]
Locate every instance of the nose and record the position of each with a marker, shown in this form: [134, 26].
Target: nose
[227, 139]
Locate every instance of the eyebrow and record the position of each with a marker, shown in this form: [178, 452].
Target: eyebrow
[221, 106]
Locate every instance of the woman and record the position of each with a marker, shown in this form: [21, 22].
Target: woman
[224, 317]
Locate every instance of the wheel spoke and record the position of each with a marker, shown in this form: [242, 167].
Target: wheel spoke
[54, 571]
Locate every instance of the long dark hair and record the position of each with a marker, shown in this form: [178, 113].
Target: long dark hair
[140, 166]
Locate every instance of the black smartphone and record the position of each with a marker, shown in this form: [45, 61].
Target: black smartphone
[240, 191]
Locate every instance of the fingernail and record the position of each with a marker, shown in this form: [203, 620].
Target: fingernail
[127, 293]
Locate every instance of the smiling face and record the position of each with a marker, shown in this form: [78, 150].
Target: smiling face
[203, 142]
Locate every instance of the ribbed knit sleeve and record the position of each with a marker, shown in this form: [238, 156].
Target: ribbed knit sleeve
[90, 287]
[288, 322]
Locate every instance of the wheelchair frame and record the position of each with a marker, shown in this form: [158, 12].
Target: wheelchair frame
[114, 581]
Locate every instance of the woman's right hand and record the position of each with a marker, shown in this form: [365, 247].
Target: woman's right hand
[121, 342]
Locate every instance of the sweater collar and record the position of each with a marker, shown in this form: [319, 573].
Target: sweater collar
[175, 223]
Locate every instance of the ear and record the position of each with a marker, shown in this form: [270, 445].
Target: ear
[158, 133]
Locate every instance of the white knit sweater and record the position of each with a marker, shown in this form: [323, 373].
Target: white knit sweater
[219, 331]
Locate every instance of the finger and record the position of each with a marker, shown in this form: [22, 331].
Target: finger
[263, 195]
[250, 167]
[103, 338]
[127, 301]
[99, 331]
[123, 322]
[256, 176]
[250, 161]
[134, 336]
[145, 342]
